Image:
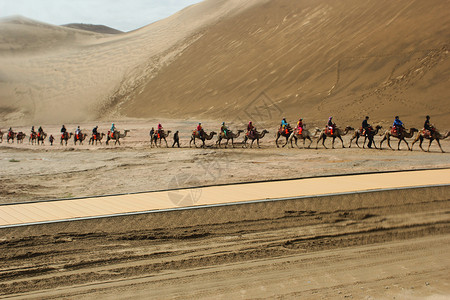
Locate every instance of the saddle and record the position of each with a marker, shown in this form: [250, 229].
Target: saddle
[426, 133]
[329, 131]
[396, 131]
[299, 130]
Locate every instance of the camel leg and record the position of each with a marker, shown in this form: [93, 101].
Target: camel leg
[389, 143]
[439, 143]
[276, 141]
[405, 143]
[167, 145]
[310, 142]
[286, 142]
[429, 145]
[415, 140]
[342, 141]
[323, 142]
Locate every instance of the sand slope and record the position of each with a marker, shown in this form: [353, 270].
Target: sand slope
[214, 59]
[314, 59]
[55, 74]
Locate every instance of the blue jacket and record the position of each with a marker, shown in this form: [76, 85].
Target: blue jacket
[398, 123]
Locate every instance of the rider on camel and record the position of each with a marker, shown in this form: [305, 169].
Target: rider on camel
[112, 130]
[224, 129]
[78, 133]
[10, 132]
[331, 126]
[300, 126]
[284, 125]
[33, 132]
[40, 131]
[63, 131]
[428, 126]
[365, 125]
[199, 129]
[397, 125]
[250, 129]
[95, 132]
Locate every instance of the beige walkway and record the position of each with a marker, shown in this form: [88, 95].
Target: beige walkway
[54, 211]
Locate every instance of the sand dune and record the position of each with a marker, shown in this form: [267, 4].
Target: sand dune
[314, 59]
[63, 74]
[237, 60]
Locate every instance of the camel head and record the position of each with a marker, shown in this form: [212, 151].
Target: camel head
[240, 131]
[126, 130]
[265, 131]
[446, 135]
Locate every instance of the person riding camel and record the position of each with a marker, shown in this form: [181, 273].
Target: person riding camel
[78, 133]
[95, 132]
[284, 126]
[113, 129]
[365, 126]
[300, 126]
[63, 131]
[331, 126]
[251, 129]
[40, 131]
[224, 129]
[199, 129]
[160, 130]
[428, 126]
[397, 125]
[10, 132]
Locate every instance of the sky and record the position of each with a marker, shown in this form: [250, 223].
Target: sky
[124, 15]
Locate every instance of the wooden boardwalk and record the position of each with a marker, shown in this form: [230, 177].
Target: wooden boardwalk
[21, 214]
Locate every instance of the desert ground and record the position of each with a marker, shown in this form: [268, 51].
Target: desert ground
[31, 172]
[395, 248]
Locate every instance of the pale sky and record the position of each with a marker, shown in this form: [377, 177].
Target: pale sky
[124, 15]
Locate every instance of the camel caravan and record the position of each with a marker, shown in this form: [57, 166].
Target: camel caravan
[227, 137]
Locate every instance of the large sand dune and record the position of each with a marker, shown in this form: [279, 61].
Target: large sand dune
[55, 74]
[311, 58]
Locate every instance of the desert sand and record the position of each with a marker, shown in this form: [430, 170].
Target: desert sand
[232, 61]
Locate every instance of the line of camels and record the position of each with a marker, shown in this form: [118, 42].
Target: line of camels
[291, 136]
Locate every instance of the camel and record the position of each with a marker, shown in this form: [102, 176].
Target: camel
[65, 137]
[369, 135]
[401, 137]
[229, 136]
[79, 138]
[116, 136]
[285, 134]
[33, 138]
[338, 133]
[20, 137]
[41, 138]
[11, 136]
[97, 138]
[430, 136]
[256, 136]
[306, 135]
[201, 136]
[160, 136]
